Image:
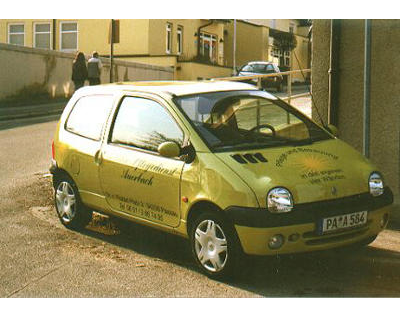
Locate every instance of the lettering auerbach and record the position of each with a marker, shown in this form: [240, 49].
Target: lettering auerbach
[141, 167]
[138, 175]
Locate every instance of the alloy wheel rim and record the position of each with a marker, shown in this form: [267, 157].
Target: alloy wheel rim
[66, 201]
[211, 246]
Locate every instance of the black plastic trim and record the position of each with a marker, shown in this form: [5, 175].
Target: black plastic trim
[308, 212]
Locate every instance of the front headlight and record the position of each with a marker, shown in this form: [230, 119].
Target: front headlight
[279, 200]
[375, 184]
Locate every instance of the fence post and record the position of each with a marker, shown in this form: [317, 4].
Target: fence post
[289, 84]
[259, 85]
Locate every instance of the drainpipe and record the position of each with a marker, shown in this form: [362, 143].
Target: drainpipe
[54, 33]
[333, 102]
[367, 88]
[198, 36]
[234, 46]
[112, 51]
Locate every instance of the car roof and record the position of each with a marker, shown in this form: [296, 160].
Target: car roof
[260, 62]
[177, 88]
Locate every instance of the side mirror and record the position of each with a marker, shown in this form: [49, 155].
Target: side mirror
[332, 129]
[169, 149]
[188, 153]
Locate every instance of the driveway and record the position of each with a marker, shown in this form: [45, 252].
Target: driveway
[41, 258]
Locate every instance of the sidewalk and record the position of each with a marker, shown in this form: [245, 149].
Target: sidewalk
[22, 112]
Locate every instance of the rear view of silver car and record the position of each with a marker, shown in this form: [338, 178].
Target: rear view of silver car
[262, 68]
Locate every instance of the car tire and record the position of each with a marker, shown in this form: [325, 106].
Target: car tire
[70, 209]
[215, 246]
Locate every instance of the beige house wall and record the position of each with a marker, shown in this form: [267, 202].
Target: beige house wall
[385, 88]
[197, 71]
[302, 52]
[157, 29]
[251, 43]
[93, 34]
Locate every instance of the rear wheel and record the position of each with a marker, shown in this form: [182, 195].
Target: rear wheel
[70, 209]
[214, 245]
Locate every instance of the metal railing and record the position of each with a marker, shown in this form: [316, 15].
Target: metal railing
[260, 77]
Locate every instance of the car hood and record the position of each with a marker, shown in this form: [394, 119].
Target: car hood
[323, 170]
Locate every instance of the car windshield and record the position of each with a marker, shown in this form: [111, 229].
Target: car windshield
[259, 68]
[236, 120]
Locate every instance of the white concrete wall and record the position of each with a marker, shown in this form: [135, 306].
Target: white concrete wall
[25, 68]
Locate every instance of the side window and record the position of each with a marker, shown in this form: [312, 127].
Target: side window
[259, 68]
[247, 68]
[145, 124]
[89, 115]
[270, 68]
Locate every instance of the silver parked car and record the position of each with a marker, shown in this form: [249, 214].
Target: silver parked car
[262, 68]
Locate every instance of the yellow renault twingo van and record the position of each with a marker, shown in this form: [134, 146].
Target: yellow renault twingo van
[232, 168]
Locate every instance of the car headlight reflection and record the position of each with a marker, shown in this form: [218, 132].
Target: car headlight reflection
[375, 184]
[279, 200]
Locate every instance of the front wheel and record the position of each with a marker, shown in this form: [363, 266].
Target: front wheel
[214, 245]
[70, 209]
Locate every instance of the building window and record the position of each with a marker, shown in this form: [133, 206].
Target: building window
[287, 58]
[208, 47]
[42, 35]
[179, 37]
[69, 36]
[282, 55]
[16, 34]
[169, 37]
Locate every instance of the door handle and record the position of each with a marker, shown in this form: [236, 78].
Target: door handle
[98, 157]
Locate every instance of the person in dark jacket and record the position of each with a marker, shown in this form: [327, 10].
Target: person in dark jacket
[79, 71]
[94, 69]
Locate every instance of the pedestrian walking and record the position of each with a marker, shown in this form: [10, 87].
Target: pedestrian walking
[94, 69]
[79, 71]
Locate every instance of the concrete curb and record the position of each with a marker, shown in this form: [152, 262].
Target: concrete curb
[15, 113]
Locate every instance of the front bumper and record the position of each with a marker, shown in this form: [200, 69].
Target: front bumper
[255, 227]
[53, 167]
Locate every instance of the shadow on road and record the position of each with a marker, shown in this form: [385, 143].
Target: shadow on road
[372, 271]
[348, 272]
[141, 239]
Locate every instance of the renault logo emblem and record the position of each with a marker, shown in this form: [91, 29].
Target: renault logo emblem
[334, 191]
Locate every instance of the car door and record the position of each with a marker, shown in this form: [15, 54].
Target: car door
[81, 134]
[135, 179]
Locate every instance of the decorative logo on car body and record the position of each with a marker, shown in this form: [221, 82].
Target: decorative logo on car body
[316, 166]
[334, 190]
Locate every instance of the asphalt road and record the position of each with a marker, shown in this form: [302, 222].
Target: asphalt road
[40, 258]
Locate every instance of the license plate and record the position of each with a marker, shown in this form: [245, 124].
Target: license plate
[335, 223]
